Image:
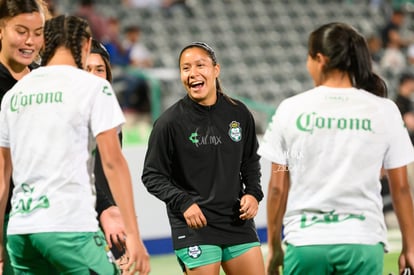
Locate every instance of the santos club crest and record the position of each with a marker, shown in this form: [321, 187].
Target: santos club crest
[235, 131]
[194, 251]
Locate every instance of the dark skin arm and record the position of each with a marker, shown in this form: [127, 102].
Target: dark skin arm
[108, 213]
[403, 207]
[117, 172]
[276, 206]
[5, 176]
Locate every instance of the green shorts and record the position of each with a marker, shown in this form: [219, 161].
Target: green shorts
[7, 268]
[355, 259]
[78, 253]
[199, 255]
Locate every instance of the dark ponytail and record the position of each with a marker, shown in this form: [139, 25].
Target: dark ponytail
[361, 67]
[347, 51]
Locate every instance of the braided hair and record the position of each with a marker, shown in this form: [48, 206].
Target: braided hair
[65, 31]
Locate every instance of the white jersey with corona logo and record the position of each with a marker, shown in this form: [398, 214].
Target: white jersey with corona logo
[334, 142]
[49, 120]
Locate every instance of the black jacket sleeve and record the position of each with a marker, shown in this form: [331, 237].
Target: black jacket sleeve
[104, 198]
[250, 167]
[157, 172]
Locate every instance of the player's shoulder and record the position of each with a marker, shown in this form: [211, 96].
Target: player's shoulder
[382, 102]
[172, 114]
[297, 100]
[233, 104]
[92, 82]
[82, 74]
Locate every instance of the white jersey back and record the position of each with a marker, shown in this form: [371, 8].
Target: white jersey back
[50, 119]
[334, 142]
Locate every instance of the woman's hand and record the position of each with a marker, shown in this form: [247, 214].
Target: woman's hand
[248, 207]
[194, 217]
[275, 261]
[113, 227]
[136, 258]
[406, 260]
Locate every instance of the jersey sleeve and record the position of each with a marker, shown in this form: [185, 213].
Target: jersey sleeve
[4, 129]
[272, 145]
[250, 169]
[106, 113]
[400, 150]
[103, 201]
[157, 171]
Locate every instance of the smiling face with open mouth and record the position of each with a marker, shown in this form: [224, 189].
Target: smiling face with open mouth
[21, 39]
[198, 75]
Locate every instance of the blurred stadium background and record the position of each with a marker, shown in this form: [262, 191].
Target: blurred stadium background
[261, 44]
[262, 48]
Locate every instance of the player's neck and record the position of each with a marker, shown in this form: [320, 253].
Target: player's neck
[62, 56]
[337, 79]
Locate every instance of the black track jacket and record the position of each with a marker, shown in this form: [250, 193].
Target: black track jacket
[207, 155]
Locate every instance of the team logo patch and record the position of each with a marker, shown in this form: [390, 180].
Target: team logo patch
[235, 131]
[106, 91]
[194, 251]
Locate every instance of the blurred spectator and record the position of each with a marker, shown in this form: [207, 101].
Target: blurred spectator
[390, 34]
[139, 55]
[142, 3]
[410, 56]
[378, 5]
[394, 58]
[404, 102]
[134, 92]
[112, 42]
[170, 6]
[97, 21]
[134, 89]
[52, 7]
[375, 48]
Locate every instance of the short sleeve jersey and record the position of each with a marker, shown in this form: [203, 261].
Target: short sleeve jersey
[49, 121]
[334, 143]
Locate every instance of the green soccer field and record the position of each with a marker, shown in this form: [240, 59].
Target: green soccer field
[167, 265]
[391, 263]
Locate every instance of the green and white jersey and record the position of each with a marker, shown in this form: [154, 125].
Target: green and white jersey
[49, 120]
[334, 142]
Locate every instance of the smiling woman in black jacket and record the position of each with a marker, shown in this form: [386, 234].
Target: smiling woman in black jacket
[202, 162]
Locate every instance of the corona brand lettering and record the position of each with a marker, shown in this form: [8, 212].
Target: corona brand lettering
[308, 122]
[19, 100]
